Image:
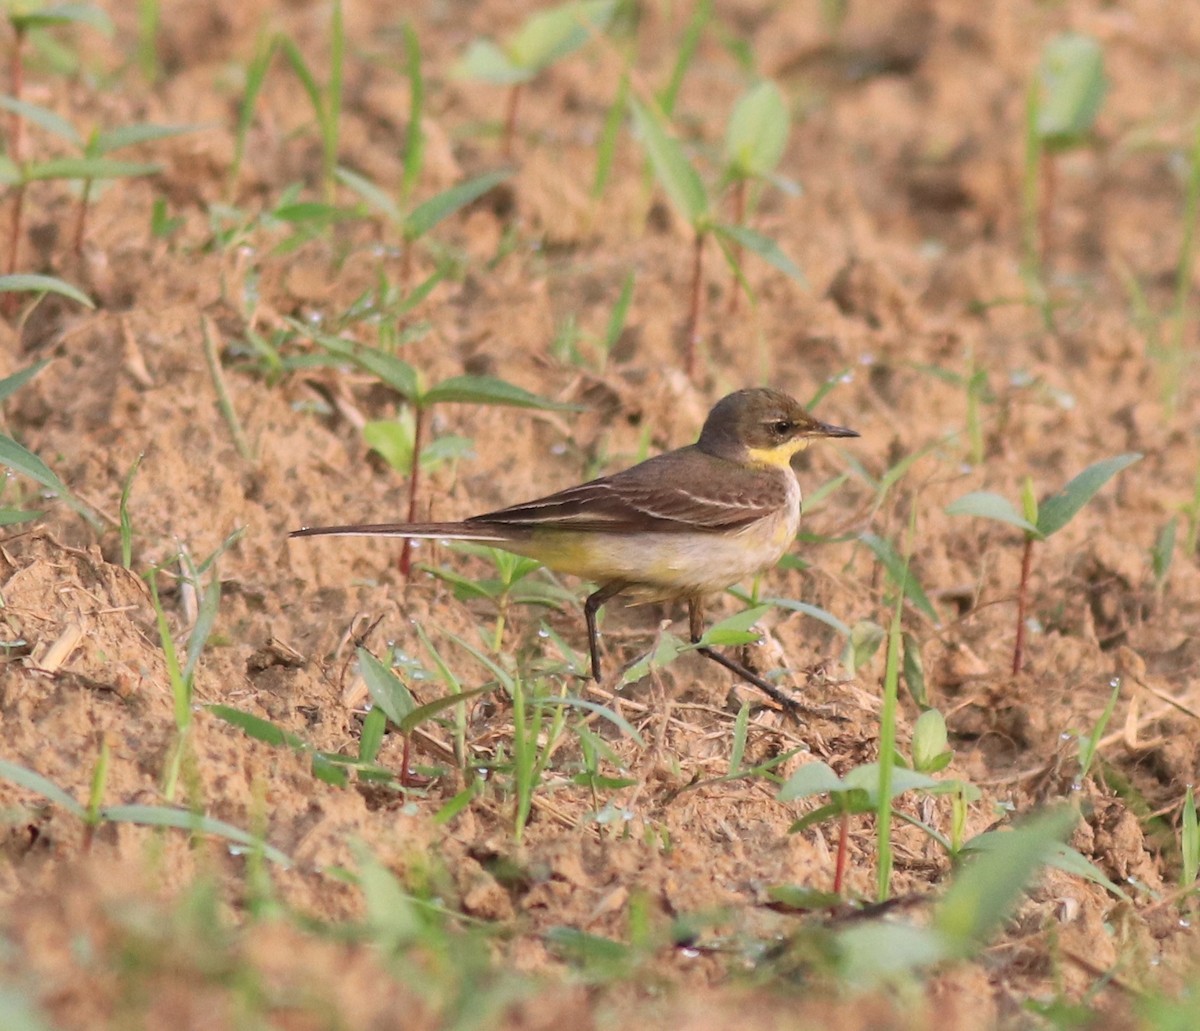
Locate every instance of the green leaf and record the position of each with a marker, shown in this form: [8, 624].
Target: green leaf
[550, 35]
[1055, 512]
[430, 709]
[900, 573]
[866, 778]
[763, 246]
[31, 16]
[487, 390]
[43, 118]
[12, 516]
[986, 889]
[391, 913]
[385, 687]
[1189, 841]
[757, 132]
[815, 778]
[1073, 85]
[425, 216]
[312, 211]
[862, 643]
[256, 727]
[1063, 857]
[373, 728]
[392, 440]
[28, 464]
[378, 198]
[41, 785]
[828, 618]
[875, 951]
[131, 135]
[671, 166]
[89, 168]
[735, 630]
[485, 61]
[395, 372]
[206, 618]
[165, 816]
[929, 741]
[914, 671]
[28, 282]
[11, 384]
[991, 506]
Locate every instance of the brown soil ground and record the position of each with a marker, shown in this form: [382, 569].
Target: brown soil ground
[908, 144]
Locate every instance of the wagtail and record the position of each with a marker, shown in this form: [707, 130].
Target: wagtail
[678, 526]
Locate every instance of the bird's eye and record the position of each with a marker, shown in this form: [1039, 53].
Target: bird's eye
[781, 427]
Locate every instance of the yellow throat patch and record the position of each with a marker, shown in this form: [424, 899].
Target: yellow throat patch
[778, 457]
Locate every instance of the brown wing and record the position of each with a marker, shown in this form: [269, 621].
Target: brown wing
[684, 490]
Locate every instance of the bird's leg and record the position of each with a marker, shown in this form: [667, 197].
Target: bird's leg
[696, 627]
[590, 608]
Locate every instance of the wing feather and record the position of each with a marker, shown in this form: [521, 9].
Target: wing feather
[685, 490]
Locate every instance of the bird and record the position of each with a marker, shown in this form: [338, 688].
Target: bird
[679, 526]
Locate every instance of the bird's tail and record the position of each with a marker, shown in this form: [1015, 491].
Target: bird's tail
[482, 532]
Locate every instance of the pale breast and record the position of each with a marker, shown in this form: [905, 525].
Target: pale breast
[702, 563]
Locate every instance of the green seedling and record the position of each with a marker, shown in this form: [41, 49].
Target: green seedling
[124, 520]
[415, 224]
[901, 576]
[389, 694]
[685, 53]
[1189, 841]
[143, 815]
[25, 462]
[1178, 356]
[329, 767]
[606, 146]
[324, 99]
[1039, 522]
[884, 951]
[1162, 552]
[755, 139]
[25, 18]
[181, 676]
[149, 17]
[856, 793]
[687, 193]
[930, 745]
[510, 584]
[1090, 744]
[90, 164]
[409, 383]
[546, 37]
[1064, 100]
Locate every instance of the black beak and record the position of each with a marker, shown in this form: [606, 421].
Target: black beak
[824, 429]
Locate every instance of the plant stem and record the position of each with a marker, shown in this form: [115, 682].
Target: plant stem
[81, 217]
[696, 304]
[739, 216]
[510, 120]
[839, 873]
[414, 483]
[1022, 597]
[10, 302]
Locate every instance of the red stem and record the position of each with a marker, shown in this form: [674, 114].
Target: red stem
[16, 76]
[414, 483]
[839, 874]
[696, 304]
[1022, 595]
[739, 216]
